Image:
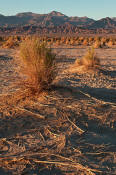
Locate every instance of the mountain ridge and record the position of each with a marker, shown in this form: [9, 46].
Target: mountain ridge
[55, 21]
[34, 18]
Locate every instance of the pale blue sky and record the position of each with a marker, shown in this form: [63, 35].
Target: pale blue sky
[92, 8]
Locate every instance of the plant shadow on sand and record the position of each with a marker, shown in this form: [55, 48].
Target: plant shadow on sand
[104, 94]
[5, 58]
[109, 73]
[4, 172]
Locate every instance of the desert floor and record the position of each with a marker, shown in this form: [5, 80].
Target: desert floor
[69, 129]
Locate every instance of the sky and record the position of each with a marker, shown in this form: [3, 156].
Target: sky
[95, 9]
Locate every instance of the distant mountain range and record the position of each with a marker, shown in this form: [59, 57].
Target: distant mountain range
[57, 22]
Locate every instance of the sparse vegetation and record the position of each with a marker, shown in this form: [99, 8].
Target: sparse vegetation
[96, 42]
[70, 129]
[90, 60]
[39, 64]
[11, 42]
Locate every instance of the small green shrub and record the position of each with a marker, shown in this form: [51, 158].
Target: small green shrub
[39, 64]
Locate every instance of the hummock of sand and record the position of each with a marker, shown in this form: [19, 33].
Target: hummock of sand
[81, 69]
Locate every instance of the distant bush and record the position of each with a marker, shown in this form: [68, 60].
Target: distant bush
[86, 42]
[90, 60]
[39, 64]
[97, 44]
[11, 42]
[110, 43]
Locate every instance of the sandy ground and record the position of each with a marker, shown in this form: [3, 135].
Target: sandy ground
[70, 129]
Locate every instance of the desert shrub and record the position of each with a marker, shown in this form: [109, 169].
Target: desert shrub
[62, 40]
[67, 41]
[81, 39]
[39, 64]
[91, 39]
[1, 38]
[86, 42]
[17, 38]
[72, 42]
[90, 60]
[11, 42]
[110, 43]
[77, 42]
[104, 39]
[115, 42]
[97, 44]
[57, 43]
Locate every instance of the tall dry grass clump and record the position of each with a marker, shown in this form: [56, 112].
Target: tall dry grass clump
[90, 60]
[38, 64]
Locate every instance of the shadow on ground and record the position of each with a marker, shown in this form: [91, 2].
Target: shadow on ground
[109, 73]
[5, 58]
[104, 94]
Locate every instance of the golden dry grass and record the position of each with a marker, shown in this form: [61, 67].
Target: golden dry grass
[39, 64]
[95, 41]
[87, 63]
[90, 60]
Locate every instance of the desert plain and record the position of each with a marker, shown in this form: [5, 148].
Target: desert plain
[70, 128]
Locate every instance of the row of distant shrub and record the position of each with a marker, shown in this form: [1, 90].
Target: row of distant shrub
[95, 41]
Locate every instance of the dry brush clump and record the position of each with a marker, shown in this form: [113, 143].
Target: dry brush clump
[90, 60]
[110, 43]
[10, 41]
[97, 44]
[95, 41]
[38, 64]
[89, 63]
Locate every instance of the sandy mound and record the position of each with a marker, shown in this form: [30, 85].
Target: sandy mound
[82, 69]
